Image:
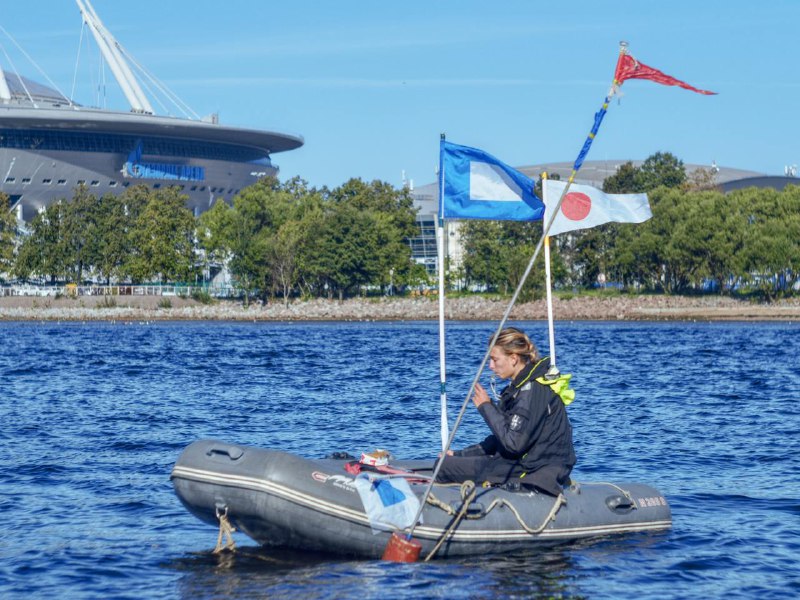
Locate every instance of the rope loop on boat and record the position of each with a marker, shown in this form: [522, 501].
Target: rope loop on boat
[625, 493]
[560, 501]
[226, 530]
[468, 493]
[467, 490]
[431, 499]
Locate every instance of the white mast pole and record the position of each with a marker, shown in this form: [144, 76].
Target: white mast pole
[553, 371]
[440, 242]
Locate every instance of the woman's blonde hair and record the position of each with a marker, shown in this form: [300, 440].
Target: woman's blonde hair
[513, 341]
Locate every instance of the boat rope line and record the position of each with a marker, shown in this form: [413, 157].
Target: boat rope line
[468, 493]
[625, 493]
[226, 530]
[427, 532]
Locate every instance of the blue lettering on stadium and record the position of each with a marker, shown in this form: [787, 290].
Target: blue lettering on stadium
[144, 170]
[134, 167]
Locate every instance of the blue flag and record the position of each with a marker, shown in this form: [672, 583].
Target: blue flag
[475, 185]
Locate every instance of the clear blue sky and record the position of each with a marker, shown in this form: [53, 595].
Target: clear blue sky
[370, 85]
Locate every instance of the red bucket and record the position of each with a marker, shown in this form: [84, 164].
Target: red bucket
[400, 549]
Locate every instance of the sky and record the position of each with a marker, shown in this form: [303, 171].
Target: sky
[371, 85]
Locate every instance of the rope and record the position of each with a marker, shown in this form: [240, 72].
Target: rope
[625, 493]
[467, 498]
[560, 500]
[225, 529]
[468, 493]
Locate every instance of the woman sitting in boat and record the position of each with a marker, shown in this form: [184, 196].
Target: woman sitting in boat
[531, 439]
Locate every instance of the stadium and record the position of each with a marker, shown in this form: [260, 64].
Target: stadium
[49, 145]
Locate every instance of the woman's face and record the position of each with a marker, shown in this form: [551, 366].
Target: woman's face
[505, 366]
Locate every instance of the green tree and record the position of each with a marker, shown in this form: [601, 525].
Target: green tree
[393, 221]
[498, 252]
[40, 253]
[8, 234]
[348, 249]
[284, 248]
[115, 218]
[78, 242]
[624, 181]
[661, 169]
[162, 239]
[771, 248]
[245, 237]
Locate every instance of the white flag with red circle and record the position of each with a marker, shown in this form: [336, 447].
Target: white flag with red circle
[585, 206]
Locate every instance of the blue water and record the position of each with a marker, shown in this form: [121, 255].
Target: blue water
[92, 417]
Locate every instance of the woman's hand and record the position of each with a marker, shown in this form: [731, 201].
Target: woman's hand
[449, 453]
[480, 396]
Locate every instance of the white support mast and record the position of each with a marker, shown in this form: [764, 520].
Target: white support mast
[553, 371]
[441, 256]
[116, 62]
[5, 93]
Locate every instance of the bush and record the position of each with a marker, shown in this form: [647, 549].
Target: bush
[165, 303]
[202, 296]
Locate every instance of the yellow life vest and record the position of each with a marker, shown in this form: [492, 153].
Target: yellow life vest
[560, 387]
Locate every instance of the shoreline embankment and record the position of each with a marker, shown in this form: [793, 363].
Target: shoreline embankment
[621, 307]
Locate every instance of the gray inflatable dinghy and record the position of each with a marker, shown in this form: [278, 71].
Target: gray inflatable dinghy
[279, 499]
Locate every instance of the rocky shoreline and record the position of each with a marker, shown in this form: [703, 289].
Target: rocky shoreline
[578, 308]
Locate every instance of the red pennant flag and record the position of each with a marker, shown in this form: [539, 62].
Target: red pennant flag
[630, 68]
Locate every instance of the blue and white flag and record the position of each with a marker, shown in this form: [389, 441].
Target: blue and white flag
[388, 502]
[475, 185]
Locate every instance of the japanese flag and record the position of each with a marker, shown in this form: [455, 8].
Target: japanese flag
[585, 206]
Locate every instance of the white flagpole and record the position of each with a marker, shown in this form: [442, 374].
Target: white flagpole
[440, 241]
[553, 371]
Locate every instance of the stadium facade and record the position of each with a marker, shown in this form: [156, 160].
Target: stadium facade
[49, 145]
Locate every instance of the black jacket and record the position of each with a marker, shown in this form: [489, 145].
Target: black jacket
[531, 438]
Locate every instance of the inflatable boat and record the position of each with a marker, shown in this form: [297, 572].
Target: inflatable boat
[326, 505]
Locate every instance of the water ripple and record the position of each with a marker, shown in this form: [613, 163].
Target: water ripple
[93, 416]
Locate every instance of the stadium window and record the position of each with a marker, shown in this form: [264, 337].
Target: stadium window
[47, 181]
[156, 186]
[112, 184]
[10, 179]
[26, 180]
[95, 183]
[126, 183]
[81, 182]
[194, 188]
[62, 182]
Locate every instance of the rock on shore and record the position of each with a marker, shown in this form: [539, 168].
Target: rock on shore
[590, 308]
